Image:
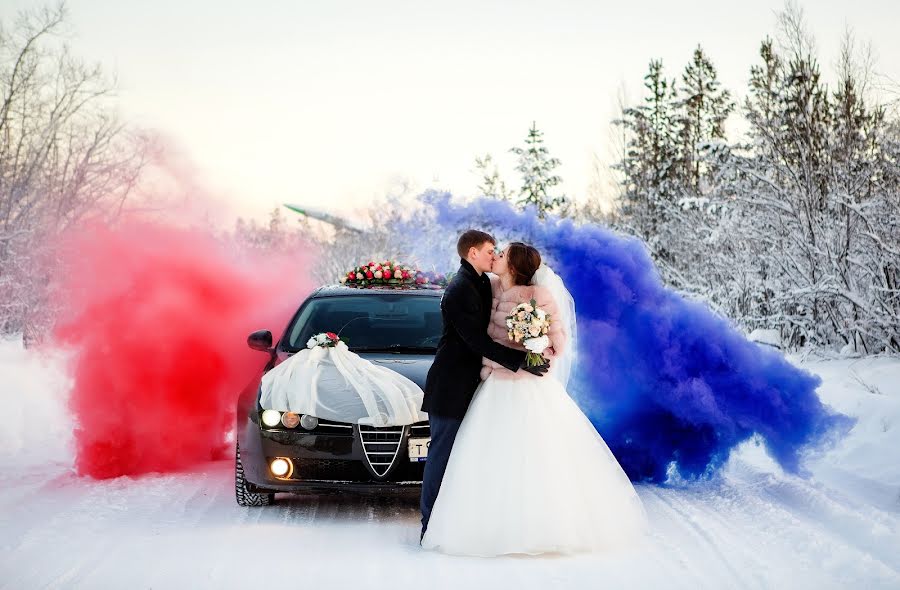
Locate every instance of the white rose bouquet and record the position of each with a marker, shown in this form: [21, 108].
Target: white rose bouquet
[529, 325]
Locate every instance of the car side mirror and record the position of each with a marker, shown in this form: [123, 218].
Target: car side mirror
[260, 340]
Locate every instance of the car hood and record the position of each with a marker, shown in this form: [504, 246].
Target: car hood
[412, 366]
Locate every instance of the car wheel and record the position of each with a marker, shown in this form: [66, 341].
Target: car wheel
[242, 488]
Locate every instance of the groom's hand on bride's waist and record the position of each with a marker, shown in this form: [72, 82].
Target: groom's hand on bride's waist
[538, 370]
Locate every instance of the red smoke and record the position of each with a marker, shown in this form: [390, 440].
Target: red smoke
[159, 317]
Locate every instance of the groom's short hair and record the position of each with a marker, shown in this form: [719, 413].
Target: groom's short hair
[472, 237]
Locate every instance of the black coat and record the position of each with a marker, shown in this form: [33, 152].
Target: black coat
[455, 373]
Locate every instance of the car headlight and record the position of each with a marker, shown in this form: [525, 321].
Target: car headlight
[290, 419]
[271, 417]
[309, 422]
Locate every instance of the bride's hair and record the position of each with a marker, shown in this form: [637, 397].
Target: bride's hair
[522, 261]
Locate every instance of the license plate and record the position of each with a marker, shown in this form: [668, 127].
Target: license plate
[418, 449]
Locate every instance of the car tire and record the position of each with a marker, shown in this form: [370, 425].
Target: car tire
[244, 493]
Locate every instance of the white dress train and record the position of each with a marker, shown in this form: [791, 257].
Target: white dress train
[530, 474]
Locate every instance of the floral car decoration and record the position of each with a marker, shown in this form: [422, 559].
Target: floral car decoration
[323, 339]
[393, 273]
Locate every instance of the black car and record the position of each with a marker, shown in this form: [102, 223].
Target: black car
[398, 328]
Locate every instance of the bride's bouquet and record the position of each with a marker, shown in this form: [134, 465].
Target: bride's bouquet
[529, 325]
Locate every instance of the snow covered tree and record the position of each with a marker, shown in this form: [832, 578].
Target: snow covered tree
[795, 229]
[662, 148]
[816, 199]
[538, 177]
[64, 157]
[703, 107]
[651, 156]
[660, 204]
[491, 184]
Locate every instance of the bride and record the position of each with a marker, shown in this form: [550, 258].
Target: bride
[528, 472]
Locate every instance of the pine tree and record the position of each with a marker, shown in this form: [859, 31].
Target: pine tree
[703, 108]
[763, 105]
[538, 178]
[651, 154]
[491, 183]
[856, 145]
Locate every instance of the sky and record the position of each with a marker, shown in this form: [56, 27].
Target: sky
[335, 103]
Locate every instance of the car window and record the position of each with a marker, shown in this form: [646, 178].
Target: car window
[376, 321]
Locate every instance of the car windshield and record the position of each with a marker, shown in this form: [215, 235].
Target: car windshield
[373, 322]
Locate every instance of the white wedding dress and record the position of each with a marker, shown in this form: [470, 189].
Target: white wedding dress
[530, 474]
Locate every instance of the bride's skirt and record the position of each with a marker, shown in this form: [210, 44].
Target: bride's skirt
[529, 473]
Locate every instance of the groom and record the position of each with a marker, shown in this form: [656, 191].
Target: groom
[455, 373]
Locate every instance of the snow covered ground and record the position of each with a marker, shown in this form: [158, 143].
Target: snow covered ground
[754, 527]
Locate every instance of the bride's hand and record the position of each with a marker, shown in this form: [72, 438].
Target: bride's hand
[549, 352]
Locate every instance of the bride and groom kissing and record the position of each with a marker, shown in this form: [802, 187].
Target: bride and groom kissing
[528, 472]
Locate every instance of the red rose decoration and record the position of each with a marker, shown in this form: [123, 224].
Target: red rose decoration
[331, 335]
[393, 273]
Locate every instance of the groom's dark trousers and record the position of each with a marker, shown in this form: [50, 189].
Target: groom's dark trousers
[455, 373]
[443, 433]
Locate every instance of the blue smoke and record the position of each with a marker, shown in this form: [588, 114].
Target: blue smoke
[666, 382]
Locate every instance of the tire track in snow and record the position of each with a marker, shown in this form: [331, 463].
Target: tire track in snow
[835, 518]
[668, 498]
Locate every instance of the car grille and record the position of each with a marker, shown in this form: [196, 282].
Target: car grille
[329, 469]
[381, 446]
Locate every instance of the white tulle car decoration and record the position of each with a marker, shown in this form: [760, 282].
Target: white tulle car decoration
[329, 381]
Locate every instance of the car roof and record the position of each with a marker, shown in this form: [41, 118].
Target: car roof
[337, 290]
